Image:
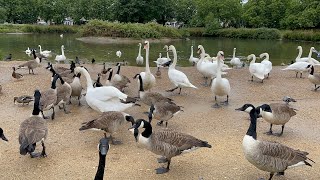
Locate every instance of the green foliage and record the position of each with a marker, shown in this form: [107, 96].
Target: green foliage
[128, 30]
[307, 35]
[244, 33]
[23, 28]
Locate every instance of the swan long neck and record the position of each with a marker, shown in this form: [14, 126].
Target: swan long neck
[40, 49]
[173, 65]
[253, 59]
[102, 164]
[310, 54]
[147, 60]
[87, 75]
[191, 56]
[234, 53]
[300, 53]
[168, 53]
[267, 56]
[202, 54]
[62, 51]
[139, 54]
[219, 68]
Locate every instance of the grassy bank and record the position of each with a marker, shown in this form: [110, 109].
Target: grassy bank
[302, 35]
[128, 30]
[28, 28]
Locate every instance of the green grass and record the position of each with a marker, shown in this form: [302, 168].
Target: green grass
[305, 35]
[28, 28]
[245, 33]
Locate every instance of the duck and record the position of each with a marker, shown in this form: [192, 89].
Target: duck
[148, 78]
[33, 130]
[158, 73]
[178, 78]
[93, 61]
[25, 99]
[300, 67]
[220, 86]
[28, 51]
[314, 78]
[256, 69]
[2, 136]
[105, 98]
[139, 59]
[61, 57]
[49, 98]
[163, 111]
[76, 88]
[192, 59]
[15, 75]
[268, 156]
[161, 61]
[103, 148]
[150, 98]
[304, 59]
[8, 58]
[165, 142]
[44, 53]
[31, 64]
[109, 122]
[118, 53]
[97, 83]
[235, 61]
[267, 63]
[64, 92]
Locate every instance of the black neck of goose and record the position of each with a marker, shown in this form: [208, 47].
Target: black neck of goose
[141, 84]
[312, 70]
[61, 80]
[148, 130]
[36, 109]
[34, 54]
[53, 71]
[110, 75]
[98, 80]
[118, 71]
[54, 81]
[252, 131]
[102, 164]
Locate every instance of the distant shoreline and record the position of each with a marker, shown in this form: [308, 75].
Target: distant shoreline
[117, 40]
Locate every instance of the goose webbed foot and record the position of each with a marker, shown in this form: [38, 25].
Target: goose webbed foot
[269, 133]
[280, 174]
[34, 155]
[171, 90]
[162, 160]
[162, 170]
[278, 134]
[216, 105]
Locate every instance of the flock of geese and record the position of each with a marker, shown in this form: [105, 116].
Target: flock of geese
[109, 98]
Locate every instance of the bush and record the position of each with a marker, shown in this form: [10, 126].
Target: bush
[128, 30]
[306, 35]
[50, 29]
[245, 33]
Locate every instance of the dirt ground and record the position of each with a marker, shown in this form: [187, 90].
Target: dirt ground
[73, 154]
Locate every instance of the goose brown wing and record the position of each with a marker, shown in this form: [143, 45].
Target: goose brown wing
[32, 130]
[280, 108]
[48, 97]
[281, 154]
[104, 121]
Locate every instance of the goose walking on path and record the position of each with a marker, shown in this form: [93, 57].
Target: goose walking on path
[32, 64]
[165, 142]
[268, 156]
[314, 78]
[178, 78]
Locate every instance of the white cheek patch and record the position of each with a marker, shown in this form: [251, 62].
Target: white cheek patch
[248, 109]
[141, 125]
[131, 130]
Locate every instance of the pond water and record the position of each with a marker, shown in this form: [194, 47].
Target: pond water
[280, 51]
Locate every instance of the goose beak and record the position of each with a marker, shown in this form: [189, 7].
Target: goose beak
[3, 137]
[104, 146]
[239, 109]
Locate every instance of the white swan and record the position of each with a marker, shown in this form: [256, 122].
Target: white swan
[139, 58]
[28, 51]
[61, 35]
[105, 98]
[256, 69]
[61, 57]
[178, 78]
[118, 53]
[161, 60]
[220, 86]
[167, 49]
[44, 53]
[192, 59]
[304, 59]
[148, 79]
[300, 66]
[267, 63]
[235, 62]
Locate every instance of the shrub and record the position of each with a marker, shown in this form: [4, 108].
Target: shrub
[245, 33]
[305, 35]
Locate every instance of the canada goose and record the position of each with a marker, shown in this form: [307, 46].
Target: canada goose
[32, 64]
[33, 130]
[68, 79]
[2, 135]
[164, 142]
[105, 98]
[313, 78]
[148, 78]
[267, 156]
[278, 114]
[76, 88]
[62, 71]
[98, 83]
[103, 150]
[8, 58]
[118, 84]
[109, 122]
[77, 60]
[64, 92]
[117, 77]
[93, 61]
[158, 73]
[178, 78]
[15, 75]
[192, 59]
[235, 61]
[139, 59]
[49, 98]
[163, 111]
[23, 99]
[247, 108]
[220, 86]
[267, 63]
[104, 70]
[150, 98]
